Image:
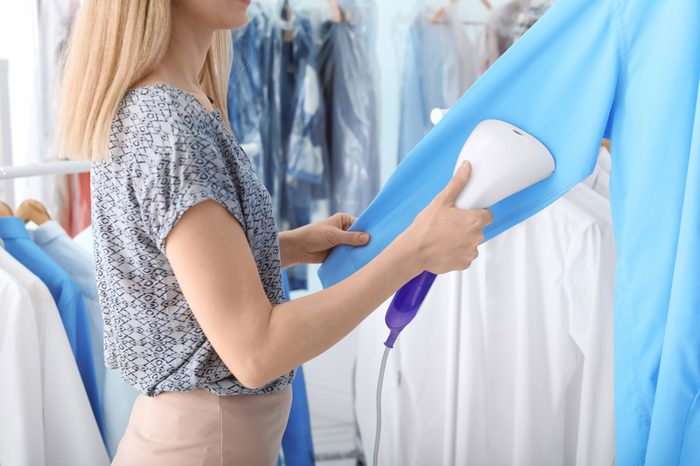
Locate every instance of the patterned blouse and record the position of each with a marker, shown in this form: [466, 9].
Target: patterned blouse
[167, 154]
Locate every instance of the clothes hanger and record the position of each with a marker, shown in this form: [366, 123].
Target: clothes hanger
[339, 15]
[5, 210]
[32, 210]
[439, 15]
[287, 12]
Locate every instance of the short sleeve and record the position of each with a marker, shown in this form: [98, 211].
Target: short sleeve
[186, 169]
[557, 82]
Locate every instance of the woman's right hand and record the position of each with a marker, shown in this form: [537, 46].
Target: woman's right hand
[445, 237]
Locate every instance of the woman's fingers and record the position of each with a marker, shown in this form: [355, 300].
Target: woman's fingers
[459, 180]
[343, 220]
[351, 238]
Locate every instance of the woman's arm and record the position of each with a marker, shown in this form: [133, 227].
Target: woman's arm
[312, 243]
[257, 341]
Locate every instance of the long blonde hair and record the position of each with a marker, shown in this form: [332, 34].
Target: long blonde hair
[114, 44]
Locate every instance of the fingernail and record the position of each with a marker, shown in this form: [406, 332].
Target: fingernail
[463, 167]
[364, 237]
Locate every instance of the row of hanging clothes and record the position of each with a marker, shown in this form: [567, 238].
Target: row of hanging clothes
[511, 361]
[55, 384]
[444, 55]
[60, 404]
[302, 86]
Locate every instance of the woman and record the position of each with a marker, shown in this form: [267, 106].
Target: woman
[187, 252]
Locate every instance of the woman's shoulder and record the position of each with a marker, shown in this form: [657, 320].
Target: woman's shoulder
[163, 107]
[157, 118]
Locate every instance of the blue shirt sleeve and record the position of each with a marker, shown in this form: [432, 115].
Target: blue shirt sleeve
[557, 82]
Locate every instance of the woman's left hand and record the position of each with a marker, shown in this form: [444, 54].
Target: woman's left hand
[312, 243]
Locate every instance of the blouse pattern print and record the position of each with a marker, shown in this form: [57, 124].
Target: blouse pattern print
[167, 154]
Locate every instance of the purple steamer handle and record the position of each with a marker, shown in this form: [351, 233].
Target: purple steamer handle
[405, 305]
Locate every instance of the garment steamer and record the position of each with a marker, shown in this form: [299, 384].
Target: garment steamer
[505, 160]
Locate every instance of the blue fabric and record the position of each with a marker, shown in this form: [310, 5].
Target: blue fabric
[297, 444]
[68, 298]
[116, 395]
[629, 69]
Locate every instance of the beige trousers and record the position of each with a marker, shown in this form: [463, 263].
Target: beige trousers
[201, 428]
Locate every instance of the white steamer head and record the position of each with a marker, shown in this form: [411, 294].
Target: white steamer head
[505, 160]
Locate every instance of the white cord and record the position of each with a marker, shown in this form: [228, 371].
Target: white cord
[380, 382]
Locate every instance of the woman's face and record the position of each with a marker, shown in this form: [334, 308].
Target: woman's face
[214, 14]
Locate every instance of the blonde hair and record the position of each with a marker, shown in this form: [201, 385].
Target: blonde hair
[113, 45]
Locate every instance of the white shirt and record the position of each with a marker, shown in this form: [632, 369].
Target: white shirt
[117, 396]
[46, 417]
[509, 362]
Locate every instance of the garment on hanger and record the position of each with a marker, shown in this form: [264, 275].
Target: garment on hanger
[245, 91]
[116, 395]
[47, 418]
[303, 119]
[254, 98]
[275, 100]
[303, 133]
[433, 79]
[351, 117]
[67, 296]
[586, 70]
[498, 32]
[515, 354]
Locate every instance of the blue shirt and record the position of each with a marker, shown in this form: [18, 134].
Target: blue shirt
[628, 69]
[67, 296]
[117, 396]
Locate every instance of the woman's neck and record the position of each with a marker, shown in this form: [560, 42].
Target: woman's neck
[185, 57]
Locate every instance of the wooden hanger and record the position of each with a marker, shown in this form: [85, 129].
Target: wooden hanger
[5, 210]
[32, 210]
[439, 15]
[288, 36]
[339, 15]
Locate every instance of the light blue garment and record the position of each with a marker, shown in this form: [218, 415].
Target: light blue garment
[430, 80]
[68, 298]
[116, 395]
[629, 69]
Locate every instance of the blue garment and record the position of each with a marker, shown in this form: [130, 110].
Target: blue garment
[351, 117]
[628, 69]
[297, 444]
[116, 395]
[254, 97]
[304, 129]
[245, 97]
[303, 134]
[69, 302]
